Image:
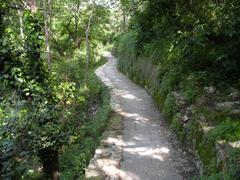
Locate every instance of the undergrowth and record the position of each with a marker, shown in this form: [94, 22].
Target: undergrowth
[169, 73]
[75, 157]
[95, 110]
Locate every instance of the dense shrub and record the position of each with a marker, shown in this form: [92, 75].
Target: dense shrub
[200, 37]
[42, 105]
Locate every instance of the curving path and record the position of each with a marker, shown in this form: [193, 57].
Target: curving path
[148, 152]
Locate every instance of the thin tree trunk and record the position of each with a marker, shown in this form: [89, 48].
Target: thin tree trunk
[124, 19]
[58, 48]
[46, 29]
[87, 49]
[21, 24]
[32, 6]
[76, 25]
[49, 10]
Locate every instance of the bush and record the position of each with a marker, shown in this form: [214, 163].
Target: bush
[68, 71]
[75, 158]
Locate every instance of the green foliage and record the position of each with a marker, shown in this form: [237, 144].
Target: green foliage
[187, 45]
[169, 106]
[191, 87]
[68, 71]
[198, 37]
[178, 127]
[232, 172]
[127, 45]
[170, 80]
[30, 119]
[234, 165]
[75, 158]
[41, 111]
[69, 25]
[227, 130]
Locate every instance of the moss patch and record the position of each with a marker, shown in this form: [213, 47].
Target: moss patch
[115, 122]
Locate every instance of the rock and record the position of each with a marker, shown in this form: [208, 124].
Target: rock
[227, 105]
[235, 94]
[210, 89]
[169, 135]
[235, 144]
[235, 112]
[206, 128]
[180, 100]
[221, 150]
[202, 100]
[201, 118]
[106, 161]
[185, 118]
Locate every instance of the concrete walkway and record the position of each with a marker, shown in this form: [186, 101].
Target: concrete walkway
[147, 153]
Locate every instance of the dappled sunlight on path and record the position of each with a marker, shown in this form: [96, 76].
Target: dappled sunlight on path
[147, 154]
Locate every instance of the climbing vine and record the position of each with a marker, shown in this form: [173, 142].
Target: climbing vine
[41, 108]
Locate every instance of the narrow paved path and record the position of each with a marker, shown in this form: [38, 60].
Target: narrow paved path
[147, 152]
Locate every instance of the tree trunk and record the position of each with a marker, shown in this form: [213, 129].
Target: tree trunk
[49, 10]
[32, 6]
[124, 20]
[76, 17]
[88, 59]
[87, 50]
[46, 29]
[21, 24]
[50, 163]
[58, 48]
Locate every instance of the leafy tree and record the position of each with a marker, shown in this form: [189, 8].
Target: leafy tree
[37, 102]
